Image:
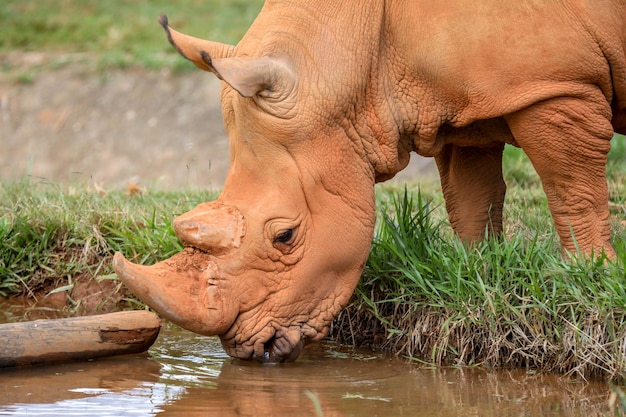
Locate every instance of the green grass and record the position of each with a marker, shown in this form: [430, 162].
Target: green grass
[49, 235]
[512, 302]
[119, 33]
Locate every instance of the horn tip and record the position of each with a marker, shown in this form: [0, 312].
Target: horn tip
[121, 266]
[118, 259]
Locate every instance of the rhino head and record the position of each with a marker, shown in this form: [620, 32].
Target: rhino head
[270, 263]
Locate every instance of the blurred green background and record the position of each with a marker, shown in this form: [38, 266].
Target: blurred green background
[119, 32]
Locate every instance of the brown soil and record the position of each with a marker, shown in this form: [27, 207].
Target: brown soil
[73, 124]
[76, 125]
[89, 295]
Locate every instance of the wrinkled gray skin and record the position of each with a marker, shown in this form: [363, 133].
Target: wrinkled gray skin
[322, 99]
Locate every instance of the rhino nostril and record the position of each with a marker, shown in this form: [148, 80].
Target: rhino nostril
[279, 349]
[268, 354]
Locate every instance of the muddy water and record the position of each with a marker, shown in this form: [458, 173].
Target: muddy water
[188, 375]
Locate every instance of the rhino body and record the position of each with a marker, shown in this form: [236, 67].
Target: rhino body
[322, 99]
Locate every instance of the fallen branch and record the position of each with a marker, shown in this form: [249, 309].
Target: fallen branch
[78, 338]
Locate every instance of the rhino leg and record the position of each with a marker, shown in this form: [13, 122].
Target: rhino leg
[473, 188]
[568, 141]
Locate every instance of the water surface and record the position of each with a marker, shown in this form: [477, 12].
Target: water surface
[184, 374]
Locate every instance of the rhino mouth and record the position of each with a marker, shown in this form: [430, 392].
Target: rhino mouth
[279, 349]
[271, 345]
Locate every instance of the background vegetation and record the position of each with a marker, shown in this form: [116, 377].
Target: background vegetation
[119, 33]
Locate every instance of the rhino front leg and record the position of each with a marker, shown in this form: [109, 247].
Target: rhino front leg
[473, 187]
[568, 140]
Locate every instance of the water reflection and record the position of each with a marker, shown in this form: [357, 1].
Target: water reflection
[114, 386]
[347, 383]
[189, 375]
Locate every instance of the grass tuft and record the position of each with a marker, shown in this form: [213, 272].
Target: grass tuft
[120, 33]
[511, 302]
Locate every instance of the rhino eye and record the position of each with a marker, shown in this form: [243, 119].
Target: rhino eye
[284, 237]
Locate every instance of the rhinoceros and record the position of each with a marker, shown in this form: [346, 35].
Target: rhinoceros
[322, 99]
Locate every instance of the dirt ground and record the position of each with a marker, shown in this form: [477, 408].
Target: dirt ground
[76, 125]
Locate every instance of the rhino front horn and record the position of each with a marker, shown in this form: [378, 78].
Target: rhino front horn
[181, 290]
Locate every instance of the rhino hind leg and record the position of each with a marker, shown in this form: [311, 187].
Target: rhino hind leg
[473, 188]
[568, 140]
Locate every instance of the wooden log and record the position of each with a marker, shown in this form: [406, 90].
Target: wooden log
[77, 338]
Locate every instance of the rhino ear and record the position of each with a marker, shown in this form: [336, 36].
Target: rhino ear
[192, 48]
[265, 77]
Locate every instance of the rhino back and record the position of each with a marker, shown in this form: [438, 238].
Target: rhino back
[491, 58]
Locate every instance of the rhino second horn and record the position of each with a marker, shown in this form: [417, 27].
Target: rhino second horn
[211, 227]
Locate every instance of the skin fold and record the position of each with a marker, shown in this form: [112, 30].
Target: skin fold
[322, 99]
